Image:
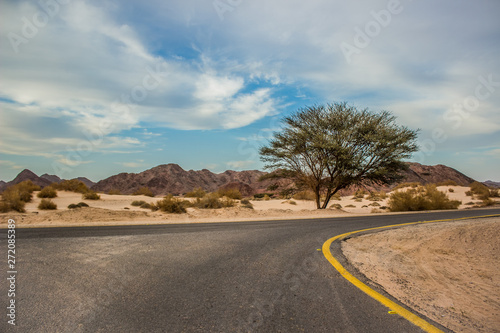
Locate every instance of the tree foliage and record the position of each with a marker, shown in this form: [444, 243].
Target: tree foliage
[332, 147]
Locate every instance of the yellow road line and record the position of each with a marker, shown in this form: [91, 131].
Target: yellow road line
[396, 308]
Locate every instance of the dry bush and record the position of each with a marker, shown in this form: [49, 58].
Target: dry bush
[494, 193]
[374, 204]
[359, 194]
[137, 203]
[213, 201]
[47, 204]
[305, 195]
[73, 185]
[421, 198]
[376, 196]
[350, 206]
[170, 204]
[404, 185]
[266, 197]
[447, 183]
[196, 193]
[78, 205]
[245, 203]
[336, 206]
[232, 193]
[488, 202]
[91, 195]
[114, 192]
[144, 191]
[481, 190]
[16, 196]
[47, 192]
[451, 190]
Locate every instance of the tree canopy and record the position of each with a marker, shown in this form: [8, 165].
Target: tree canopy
[330, 147]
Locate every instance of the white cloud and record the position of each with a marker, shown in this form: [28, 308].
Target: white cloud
[240, 164]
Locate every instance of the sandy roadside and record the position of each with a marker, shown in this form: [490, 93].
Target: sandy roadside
[449, 271]
[117, 210]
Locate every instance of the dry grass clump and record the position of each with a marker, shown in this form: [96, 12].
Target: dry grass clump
[404, 185]
[170, 204]
[144, 191]
[138, 203]
[47, 192]
[47, 204]
[421, 198]
[376, 196]
[305, 195]
[232, 193]
[73, 185]
[196, 193]
[16, 196]
[91, 195]
[359, 194]
[336, 206]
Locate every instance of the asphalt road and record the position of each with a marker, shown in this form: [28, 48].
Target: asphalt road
[218, 277]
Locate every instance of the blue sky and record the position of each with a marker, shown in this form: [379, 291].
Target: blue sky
[94, 88]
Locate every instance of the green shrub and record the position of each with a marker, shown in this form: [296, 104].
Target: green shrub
[138, 203]
[196, 193]
[73, 185]
[232, 193]
[144, 191]
[47, 204]
[447, 183]
[169, 204]
[305, 195]
[47, 192]
[114, 192]
[421, 198]
[91, 195]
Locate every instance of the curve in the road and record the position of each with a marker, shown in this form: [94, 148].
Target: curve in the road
[394, 307]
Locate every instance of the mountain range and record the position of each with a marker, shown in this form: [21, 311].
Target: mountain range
[171, 178]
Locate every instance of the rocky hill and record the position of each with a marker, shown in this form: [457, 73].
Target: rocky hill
[42, 181]
[171, 178]
[492, 184]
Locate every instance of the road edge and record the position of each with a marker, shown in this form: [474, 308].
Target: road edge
[392, 305]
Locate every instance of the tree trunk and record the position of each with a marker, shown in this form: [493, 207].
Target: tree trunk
[318, 198]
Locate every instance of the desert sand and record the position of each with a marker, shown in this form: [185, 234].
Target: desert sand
[117, 209]
[448, 271]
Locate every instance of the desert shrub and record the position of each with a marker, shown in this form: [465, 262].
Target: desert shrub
[232, 193]
[272, 187]
[336, 196]
[375, 211]
[16, 196]
[468, 193]
[196, 193]
[422, 198]
[47, 192]
[144, 191]
[350, 206]
[494, 193]
[262, 195]
[145, 206]
[481, 190]
[375, 196]
[287, 193]
[404, 185]
[138, 203]
[73, 185]
[47, 204]
[447, 183]
[374, 204]
[291, 202]
[487, 202]
[169, 204]
[359, 194]
[304, 195]
[213, 201]
[336, 206]
[245, 203]
[451, 190]
[357, 199]
[114, 192]
[12, 203]
[267, 197]
[91, 195]
[78, 205]
[470, 203]
[364, 206]
[383, 207]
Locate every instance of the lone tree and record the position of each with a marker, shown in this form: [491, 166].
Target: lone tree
[332, 147]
